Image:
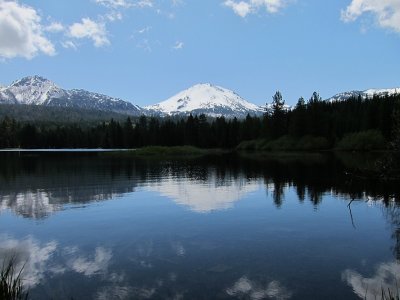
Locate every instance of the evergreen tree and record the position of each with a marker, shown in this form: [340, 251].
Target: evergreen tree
[128, 133]
[278, 115]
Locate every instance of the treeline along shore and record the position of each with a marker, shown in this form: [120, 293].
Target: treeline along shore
[353, 124]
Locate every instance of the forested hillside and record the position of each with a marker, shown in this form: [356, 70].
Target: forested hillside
[56, 115]
[360, 124]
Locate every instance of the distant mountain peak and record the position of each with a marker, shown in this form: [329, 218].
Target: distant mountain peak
[364, 94]
[208, 99]
[33, 90]
[31, 80]
[37, 90]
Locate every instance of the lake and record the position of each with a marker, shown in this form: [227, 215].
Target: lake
[97, 226]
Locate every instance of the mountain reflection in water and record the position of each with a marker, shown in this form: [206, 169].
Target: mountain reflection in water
[92, 226]
[36, 186]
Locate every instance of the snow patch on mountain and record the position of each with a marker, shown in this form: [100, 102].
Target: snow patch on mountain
[206, 99]
[367, 94]
[36, 90]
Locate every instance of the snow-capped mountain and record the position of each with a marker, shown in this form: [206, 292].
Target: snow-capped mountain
[36, 90]
[364, 94]
[32, 90]
[206, 99]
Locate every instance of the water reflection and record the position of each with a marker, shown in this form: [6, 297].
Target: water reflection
[384, 281]
[37, 186]
[391, 212]
[200, 196]
[31, 256]
[49, 262]
[30, 204]
[291, 235]
[37, 260]
[48, 265]
[245, 288]
[41, 261]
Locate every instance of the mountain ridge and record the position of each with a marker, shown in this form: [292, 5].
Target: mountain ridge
[365, 94]
[204, 98]
[36, 90]
[208, 99]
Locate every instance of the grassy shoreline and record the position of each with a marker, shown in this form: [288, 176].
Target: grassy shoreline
[365, 141]
[192, 151]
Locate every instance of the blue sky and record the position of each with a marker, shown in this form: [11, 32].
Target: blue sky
[145, 51]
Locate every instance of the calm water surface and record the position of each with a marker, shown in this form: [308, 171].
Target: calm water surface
[90, 226]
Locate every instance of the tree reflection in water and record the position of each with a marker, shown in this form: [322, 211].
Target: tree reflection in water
[37, 186]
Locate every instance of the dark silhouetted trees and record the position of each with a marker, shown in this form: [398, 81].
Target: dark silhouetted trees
[316, 118]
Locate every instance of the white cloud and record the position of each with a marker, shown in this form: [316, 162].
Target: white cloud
[178, 45]
[243, 8]
[69, 45]
[386, 12]
[55, 27]
[113, 16]
[240, 8]
[169, 15]
[21, 32]
[91, 30]
[115, 3]
[118, 4]
[144, 3]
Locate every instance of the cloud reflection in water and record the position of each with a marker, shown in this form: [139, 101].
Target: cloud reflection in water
[31, 256]
[36, 259]
[245, 287]
[386, 278]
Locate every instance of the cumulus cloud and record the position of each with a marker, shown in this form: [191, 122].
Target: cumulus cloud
[91, 30]
[243, 8]
[385, 279]
[21, 32]
[240, 8]
[386, 12]
[55, 27]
